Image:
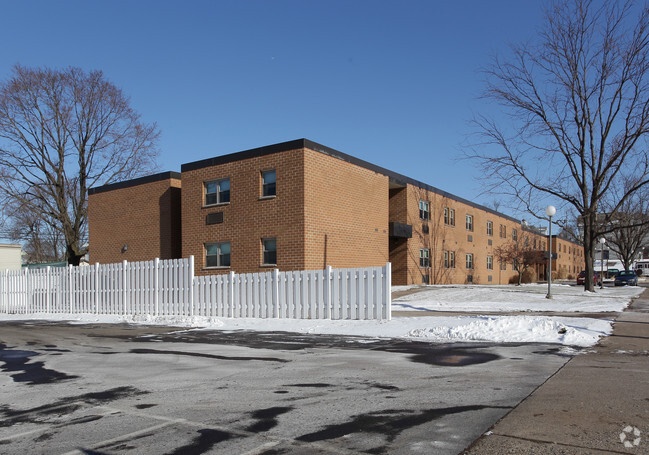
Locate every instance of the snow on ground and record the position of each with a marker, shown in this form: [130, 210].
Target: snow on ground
[528, 297]
[570, 331]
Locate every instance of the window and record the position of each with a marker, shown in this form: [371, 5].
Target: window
[269, 247]
[268, 188]
[424, 257]
[534, 243]
[469, 261]
[449, 216]
[490, 228]
[449, 259]
[217, 192]
[490, 263]
[503, 231]
[469, 222]
[514, 235]
[424, 210]
[503, 266]
[217, 254]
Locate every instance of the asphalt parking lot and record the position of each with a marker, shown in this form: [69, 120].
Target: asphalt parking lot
[116, 389]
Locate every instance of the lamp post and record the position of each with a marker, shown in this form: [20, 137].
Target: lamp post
[602, 241]
[550, 211]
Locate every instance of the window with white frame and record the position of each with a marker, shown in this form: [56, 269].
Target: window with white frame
[469, 261]
[490, 263]
[268, 183]
[514, 235]
[449, 216]
[217, 254]
[503, 231]
[469, 222]
[269, 251]
[217, 192]
[449, 259]
[490, 228]
[503, 265]
[424, 210]
[424, 257]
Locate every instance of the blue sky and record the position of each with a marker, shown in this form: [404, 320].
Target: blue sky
[391, 82]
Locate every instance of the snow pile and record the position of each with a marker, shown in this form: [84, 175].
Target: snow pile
[521, 329]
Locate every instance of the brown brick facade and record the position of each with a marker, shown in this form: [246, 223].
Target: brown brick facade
[329, 209]
[345, 212]
[135, 220]
[247, 217]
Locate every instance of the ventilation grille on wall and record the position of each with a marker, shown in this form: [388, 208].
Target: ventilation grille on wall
[214, 218]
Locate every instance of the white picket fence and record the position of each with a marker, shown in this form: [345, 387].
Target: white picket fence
[169, 288]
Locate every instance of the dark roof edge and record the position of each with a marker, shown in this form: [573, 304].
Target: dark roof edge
[134, 182]
[246, 154]
[305, 143]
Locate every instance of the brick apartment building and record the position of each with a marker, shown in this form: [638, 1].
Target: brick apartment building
[300, 205]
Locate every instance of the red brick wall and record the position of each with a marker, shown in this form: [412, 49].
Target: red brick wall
[404, 255]
[247, 218]
[145, 217]
[346, 213]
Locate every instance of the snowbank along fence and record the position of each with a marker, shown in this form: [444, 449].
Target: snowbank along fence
[169, 288]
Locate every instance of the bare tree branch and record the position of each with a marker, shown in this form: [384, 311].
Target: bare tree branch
[62, 132]
[577, 102]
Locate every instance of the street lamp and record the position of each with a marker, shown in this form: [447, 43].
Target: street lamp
[602, 241]
[550, 211]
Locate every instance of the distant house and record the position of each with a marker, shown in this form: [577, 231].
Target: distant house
[44, 265]
[10, 256]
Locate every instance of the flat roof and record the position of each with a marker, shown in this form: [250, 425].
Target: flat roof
[134, 182]
[394, 177]
[306, 143]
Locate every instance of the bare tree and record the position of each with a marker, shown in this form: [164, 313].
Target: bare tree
[629, 230]
[41, 241]
[578, 114]
[519, 253]
[62, 132]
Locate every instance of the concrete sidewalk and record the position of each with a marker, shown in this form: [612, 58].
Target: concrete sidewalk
[588, 404]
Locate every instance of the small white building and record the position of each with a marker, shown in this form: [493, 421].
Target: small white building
[10, 256]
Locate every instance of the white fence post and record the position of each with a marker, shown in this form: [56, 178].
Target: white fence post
[387, 291]
[327, 293]
[5, 280]
[48, 293]
[231, 294]
[190, 285]
[125, 296]
[275, 298]
[156, 286]
[70, 296]
[97, 288]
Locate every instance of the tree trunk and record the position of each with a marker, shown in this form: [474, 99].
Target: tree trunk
[589, 241]
[72, 257]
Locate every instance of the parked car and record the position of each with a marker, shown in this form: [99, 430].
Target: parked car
[626, 278]
[582, 277]
[610, 273]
